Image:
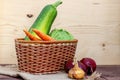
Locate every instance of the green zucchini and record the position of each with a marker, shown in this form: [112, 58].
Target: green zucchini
[45, 19]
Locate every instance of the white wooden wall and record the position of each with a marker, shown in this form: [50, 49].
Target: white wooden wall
[95, 23]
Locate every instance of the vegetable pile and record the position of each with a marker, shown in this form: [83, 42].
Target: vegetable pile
[40, 30]
[88, 65]
[45, 19]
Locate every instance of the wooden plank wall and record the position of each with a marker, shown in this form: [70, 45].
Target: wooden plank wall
[95, 23]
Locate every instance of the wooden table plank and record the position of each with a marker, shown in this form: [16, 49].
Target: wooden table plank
[110, 72]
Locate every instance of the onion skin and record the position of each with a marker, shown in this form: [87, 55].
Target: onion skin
[68, 65]
[76, 72]
[90, 65]
[82, 66]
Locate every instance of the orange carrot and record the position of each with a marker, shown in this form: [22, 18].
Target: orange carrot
[30, 36]
[43, 36]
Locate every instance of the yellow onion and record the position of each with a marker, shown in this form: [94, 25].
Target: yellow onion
[76, 72]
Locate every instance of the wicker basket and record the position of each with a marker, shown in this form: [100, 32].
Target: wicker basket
[43, 56]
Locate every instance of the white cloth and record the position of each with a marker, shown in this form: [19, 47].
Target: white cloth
[12, 70]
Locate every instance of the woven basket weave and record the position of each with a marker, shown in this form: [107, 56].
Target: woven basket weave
[44, 56]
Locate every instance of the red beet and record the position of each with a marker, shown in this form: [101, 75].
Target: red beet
[90, 65]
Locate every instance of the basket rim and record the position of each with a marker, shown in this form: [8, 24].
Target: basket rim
[21, 40]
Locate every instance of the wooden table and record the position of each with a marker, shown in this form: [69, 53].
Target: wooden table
[111, 72]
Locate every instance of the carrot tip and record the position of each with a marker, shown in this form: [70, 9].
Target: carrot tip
[30, 36]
